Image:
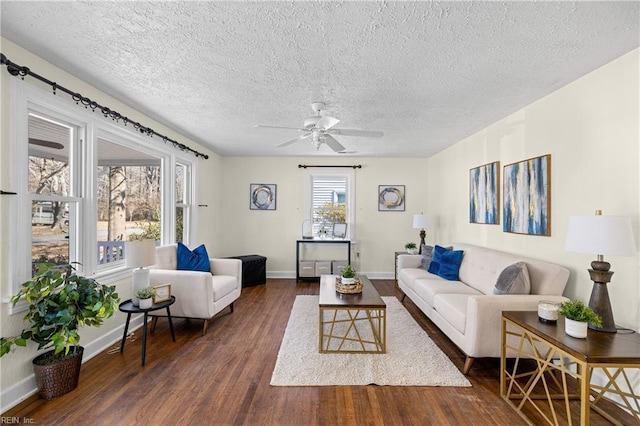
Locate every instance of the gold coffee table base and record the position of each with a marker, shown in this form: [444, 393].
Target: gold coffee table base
[345, 330]
[351, 323]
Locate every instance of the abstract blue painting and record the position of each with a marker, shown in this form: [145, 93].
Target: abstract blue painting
[526, 193]
[484, 198]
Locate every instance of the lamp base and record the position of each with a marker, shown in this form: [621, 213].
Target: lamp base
[423, 234]
[140, 280]
[599, 301]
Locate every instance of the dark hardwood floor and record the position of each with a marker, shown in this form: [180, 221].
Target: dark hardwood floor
[223, 378]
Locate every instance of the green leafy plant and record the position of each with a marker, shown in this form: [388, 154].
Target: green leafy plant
[410, 245]
[348, 272]
[59, 302]
[146, 293]
[578, 311]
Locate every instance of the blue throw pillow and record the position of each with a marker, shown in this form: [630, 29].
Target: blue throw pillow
[450, 265]
[196, 260]
[434, 266]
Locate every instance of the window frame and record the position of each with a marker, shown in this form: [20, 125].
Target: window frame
[337, 172]
[25, 99]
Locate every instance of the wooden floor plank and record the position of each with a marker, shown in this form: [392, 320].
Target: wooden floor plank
[223, 378]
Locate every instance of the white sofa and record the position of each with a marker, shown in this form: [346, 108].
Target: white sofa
[467, 311]
[199, 295]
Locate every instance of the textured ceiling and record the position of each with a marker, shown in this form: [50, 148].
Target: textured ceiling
[427, 74]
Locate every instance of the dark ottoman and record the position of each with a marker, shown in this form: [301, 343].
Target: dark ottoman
[254, 269]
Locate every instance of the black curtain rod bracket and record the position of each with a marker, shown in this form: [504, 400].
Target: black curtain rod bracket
[355, 166]
[19, 71]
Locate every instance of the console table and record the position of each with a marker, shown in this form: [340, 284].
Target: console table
[559, 357]
[346, 243]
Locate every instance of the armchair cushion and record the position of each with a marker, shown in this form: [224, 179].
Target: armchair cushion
[196, 260]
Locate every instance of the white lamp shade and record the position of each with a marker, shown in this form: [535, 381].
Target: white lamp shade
[420, 221]
[139, 254]
[605, 235]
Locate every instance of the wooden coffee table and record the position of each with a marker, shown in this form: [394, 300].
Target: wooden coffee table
[351, 323]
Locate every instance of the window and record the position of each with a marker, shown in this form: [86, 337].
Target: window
[183, 195]
[330, 201]
[85, 185]
[51, 186]
[128, 198]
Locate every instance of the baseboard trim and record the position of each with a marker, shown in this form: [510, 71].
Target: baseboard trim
[292, 275]
[27, 387]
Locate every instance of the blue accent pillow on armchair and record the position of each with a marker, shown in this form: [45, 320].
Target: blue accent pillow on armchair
[450, 264]
[196, 260]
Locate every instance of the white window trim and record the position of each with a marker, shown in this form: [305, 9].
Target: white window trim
[27, 98]
[350, 175]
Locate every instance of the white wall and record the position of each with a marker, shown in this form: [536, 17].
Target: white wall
[273, 233]
[591, 128]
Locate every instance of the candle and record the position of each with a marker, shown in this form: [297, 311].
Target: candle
[548, 311]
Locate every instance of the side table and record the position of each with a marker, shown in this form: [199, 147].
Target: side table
[395, 265]
[128, 307]
[613, 354]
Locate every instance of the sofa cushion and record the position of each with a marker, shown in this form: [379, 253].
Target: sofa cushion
[453, 308]
[196, 260]
[514, 279]
[410, 275]
[427, 255]
[434, 267]
[428, 288]
[450, 264]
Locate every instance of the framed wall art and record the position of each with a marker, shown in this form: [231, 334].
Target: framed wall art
[262, 196]
[391, 198]
[527, 196]
[484, 194]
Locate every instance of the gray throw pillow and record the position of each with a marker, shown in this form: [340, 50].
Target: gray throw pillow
[427, 255]
[514, 279]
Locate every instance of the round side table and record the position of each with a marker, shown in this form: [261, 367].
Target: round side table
[128, 307]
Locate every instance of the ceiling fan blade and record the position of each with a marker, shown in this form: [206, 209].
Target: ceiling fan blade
[294, 140]
[334, 144]
[352, 132]
[48, 144]
[280, 127]
[327, 122]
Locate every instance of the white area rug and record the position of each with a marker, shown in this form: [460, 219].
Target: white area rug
[412, 359]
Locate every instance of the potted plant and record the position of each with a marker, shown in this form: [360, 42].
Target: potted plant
[411, 248]
[578, 317]
[145, 295]
[59, 302]
[348, 275]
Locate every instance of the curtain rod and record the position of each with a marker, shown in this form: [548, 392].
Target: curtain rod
[16, 70]
[355, 166]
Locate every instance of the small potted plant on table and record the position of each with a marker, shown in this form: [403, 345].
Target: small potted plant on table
[146, 297]
[578, 316]
[411, 248]
[59, 302]
[348, 275]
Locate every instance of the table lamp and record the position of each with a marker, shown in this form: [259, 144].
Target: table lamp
[139, 254]
[420, 221]
[601, 235]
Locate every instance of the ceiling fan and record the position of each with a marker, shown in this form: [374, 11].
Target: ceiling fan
[318, 129]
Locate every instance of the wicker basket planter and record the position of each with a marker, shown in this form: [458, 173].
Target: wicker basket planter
[57, 378]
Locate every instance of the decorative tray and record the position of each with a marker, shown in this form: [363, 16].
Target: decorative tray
[348, 288]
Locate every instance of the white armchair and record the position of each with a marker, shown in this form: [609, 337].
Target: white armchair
[199, 295]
